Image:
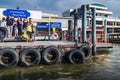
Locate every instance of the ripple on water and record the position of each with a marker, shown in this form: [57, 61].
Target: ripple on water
[103, 66]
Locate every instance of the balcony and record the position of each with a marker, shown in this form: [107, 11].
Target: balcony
[104, 12]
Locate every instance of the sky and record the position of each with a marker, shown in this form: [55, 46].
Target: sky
[58, 6]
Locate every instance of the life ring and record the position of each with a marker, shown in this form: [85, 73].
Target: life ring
[75, 57]
[29, 57]
[3, 33]
[86, 50]
[51, 55]
[8, 57]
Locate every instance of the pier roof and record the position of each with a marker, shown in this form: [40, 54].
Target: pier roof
[98, 4]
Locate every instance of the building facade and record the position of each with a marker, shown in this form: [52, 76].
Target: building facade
[102, 14]
[41, 19]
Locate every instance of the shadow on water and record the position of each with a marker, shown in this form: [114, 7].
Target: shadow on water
[104, 66]
[45, 72]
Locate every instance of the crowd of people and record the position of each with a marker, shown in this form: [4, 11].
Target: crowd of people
[20, 27]
[23, 27]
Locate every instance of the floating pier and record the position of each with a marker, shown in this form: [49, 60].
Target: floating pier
[103, 46]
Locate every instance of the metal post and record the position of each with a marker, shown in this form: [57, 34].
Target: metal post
[83, 23]
[49, 31]
[50, 20]
[105, 30]
[75, 26]
[93, 31]
[70, 29]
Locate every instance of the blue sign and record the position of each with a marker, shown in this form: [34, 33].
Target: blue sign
[15, 13]
[52, 24]
[55, 24]
[41, 26]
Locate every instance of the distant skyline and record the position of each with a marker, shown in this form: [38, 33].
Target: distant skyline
[58, 6]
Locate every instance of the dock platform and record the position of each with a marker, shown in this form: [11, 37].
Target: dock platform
[104, 46]
[99, 46]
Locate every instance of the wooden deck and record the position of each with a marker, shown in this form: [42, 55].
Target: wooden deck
[49, 43]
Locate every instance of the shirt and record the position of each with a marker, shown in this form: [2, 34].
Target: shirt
[9, 21]
[3, 24]
[29, 28]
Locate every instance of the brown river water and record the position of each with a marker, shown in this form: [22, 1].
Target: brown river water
[104, 66]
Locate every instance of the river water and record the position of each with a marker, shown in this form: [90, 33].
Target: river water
[104, 66]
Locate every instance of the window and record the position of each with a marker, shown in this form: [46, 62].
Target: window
[109, 30]
[99, 22]
[118, 23]
[110, 23]
[117, 30]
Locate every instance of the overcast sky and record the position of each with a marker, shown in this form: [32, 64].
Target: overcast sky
[58, 6]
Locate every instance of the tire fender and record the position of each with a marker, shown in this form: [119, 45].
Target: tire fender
[30, 51]
[54, 52]
[75, 57]
[3, 32]
[12, 55]
[86, 50]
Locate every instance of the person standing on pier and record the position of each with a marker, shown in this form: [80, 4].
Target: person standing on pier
[19, 25]
[15, 29]
[60, 34]
[25, 23]
[9, 24]
[30, 30]
[3, 23]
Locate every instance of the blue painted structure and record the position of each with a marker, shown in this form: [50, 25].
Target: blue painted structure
[84, 13]
[83, 23]
[75, 26]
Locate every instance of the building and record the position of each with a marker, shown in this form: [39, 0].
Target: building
[40, 20]
[102, 14]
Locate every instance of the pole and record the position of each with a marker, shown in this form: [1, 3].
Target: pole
[50, 20]
[83, 23]
[75, 26]
[93, 31]
[70, 29]
[105, 30]
[49, 32]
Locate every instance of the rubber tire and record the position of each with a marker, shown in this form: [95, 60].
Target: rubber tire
[48, 50]
[14, 55]
[86, 50]
[79, 55]
[4, 33]
[26, 51]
